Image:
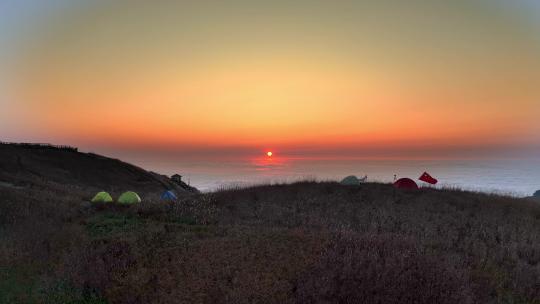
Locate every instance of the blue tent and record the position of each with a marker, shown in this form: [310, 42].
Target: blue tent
[168, 196]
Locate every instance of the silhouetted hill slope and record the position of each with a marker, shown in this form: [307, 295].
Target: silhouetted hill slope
[34, 165]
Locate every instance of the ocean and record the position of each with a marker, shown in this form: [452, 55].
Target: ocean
[516, 177]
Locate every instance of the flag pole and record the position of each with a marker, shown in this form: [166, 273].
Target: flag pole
[394, 189]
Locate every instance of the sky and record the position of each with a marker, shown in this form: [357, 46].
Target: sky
[300, 77]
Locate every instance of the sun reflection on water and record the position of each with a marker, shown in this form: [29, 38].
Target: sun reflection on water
[269, 164]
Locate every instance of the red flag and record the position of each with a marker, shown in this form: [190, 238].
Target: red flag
[428, 179]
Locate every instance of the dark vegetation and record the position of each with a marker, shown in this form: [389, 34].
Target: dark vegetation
[40, 146]
[300, 243]
[305, 242]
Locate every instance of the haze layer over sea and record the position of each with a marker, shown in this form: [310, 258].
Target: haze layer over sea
[516, 177]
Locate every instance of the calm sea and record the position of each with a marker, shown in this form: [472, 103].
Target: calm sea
[517, 177]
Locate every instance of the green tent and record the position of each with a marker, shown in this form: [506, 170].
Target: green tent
[102, 197]
[129, 197]
[350, 180]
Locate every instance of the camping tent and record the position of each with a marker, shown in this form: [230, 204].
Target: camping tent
[405, 183]
[129, 197]
[102, 197]
[350, 180]
[168, 196]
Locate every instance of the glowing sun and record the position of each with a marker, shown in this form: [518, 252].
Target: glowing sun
[269, 153]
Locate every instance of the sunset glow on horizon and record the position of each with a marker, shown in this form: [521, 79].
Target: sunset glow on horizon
[308, 75]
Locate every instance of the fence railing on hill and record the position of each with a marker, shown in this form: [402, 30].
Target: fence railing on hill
[41, 146]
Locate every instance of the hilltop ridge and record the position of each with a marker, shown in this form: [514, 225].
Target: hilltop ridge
[39, 165]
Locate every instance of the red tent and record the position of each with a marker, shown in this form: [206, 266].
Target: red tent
[405, 183]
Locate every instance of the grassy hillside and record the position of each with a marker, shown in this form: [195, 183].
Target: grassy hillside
[306, 242]
[29, 166]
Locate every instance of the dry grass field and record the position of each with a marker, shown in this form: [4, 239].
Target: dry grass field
[307, 242]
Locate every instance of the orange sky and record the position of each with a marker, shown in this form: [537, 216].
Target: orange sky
[282, 75]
